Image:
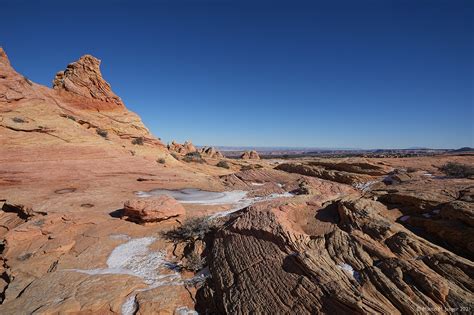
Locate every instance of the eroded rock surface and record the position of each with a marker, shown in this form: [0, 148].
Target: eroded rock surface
[366, 264]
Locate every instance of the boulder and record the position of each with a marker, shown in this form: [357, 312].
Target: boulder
[152, 209]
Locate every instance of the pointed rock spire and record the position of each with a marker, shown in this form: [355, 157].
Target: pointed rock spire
[83, 77]
[4, 58]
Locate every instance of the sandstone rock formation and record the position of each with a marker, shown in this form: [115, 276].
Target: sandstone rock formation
[84, 78]
[211, 152]
[152, 210]
[250, 155]
[185, 148]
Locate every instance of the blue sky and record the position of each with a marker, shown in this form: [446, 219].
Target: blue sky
[358, 74]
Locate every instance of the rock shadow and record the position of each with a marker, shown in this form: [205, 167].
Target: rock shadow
[117, 213]
[328, 214]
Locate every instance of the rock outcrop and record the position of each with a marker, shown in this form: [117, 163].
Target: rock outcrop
[152, 210]
[83, 77]
[250, 155]
[185, 148]
[259, 263]
[211, 152]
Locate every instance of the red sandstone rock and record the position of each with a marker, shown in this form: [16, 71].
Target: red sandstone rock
[211, 152]
[84, 78]
[185, 148]
[152, 209]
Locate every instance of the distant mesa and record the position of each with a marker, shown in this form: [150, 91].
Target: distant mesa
[250, 155]
[83, 77]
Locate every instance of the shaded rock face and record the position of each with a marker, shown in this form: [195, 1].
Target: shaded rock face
[152, 209]
[211, 152]
[365, 264]
[250, 155]
[84, 78]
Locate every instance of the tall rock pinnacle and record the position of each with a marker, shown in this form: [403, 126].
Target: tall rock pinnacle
[83, 77]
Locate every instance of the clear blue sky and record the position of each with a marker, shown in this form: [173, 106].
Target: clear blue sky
[359, 74]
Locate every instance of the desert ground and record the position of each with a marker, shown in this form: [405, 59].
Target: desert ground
[101, 217]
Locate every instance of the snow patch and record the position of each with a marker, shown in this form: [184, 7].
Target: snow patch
[184, 310]
[197, 196]
[348, 269]
[426, 215]
[130, 305]
[364, 186]
[133, 258]
[257, 184]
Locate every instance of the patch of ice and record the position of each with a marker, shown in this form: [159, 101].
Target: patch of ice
[426, 215]
[198, 196]
[436, 211]
[257, 184]
[134, 258]
[184, 310]
[348, 268]
[405, 218]
[428, 174]
[129, 307]
[364, 186]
